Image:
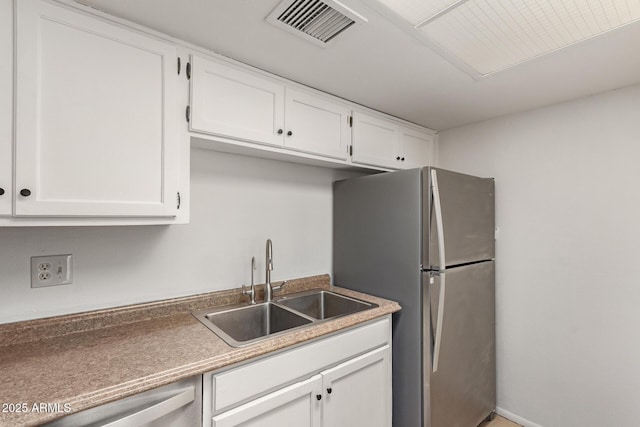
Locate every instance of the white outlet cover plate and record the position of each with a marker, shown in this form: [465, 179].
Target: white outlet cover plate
[51, 270]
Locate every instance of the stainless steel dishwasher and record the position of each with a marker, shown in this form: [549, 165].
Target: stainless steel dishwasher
[178, 404]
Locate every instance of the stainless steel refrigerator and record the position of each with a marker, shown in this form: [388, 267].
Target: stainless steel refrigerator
[425, 238]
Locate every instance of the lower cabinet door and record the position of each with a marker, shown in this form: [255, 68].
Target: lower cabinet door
[358, 392]
[296, 405]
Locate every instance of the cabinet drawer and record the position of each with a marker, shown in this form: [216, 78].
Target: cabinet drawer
[257, 378]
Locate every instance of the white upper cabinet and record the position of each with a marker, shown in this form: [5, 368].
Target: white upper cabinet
[233, 103]
[415, 148]
[375, 141]
[96, 119]
[230, 102]
[390, 144]
[6, 107]
[315, 125]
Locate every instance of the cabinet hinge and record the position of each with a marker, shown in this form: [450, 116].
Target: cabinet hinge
[178, 200]
[188, 70]
[188, 113]
[179, 65]
[351, 150]
[350, 119]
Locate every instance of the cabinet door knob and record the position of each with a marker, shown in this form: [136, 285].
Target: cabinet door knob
[329, 390]
[402, 159]
[289, 133]
[25, 192]
[398, 158]
[318, 396]
[1, 191]
[280, 131]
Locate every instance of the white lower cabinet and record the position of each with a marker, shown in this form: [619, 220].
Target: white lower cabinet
[296, 405]
[340, 381]
[356, 392]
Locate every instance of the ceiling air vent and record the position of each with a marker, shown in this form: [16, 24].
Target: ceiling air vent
[314, 20]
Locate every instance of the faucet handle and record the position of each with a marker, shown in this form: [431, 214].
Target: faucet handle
[249, 290]
[278, 287]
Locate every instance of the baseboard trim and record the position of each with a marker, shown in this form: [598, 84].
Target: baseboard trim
[516, 418]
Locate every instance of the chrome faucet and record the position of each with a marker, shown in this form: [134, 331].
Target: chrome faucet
[269, 267]
[268, 287]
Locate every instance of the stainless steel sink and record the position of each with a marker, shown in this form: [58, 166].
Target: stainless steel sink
[324, 304]
[243, 325]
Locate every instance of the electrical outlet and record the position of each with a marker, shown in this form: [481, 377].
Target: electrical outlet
[51, 270]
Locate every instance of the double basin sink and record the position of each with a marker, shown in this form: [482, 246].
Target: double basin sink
[246, 324]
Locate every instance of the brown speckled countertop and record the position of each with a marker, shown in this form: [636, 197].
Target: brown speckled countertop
[88, 359]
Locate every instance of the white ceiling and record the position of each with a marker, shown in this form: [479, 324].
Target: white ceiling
[380, 65]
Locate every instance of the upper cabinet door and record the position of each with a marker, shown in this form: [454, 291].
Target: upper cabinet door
[375, 141]
[416, 148]
[234, 103]
[315, 125]
[96, 117]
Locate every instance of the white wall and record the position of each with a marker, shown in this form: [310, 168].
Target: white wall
[568, 275]
[236, 204]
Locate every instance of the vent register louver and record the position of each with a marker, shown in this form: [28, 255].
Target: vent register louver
[316, 21]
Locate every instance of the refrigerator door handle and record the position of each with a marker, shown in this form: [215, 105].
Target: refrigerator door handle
[439, 319]
[437, 207]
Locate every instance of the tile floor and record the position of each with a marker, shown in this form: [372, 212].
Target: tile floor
[498, 421]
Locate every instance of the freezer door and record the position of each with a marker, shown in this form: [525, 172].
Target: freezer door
[466, 207]
[459, 340]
